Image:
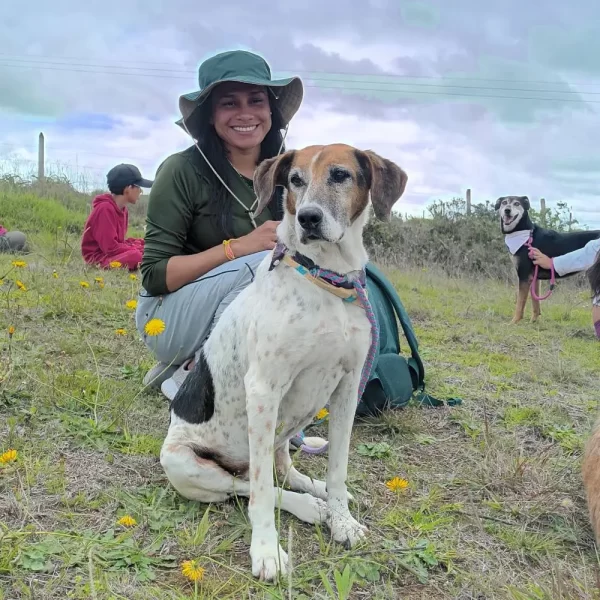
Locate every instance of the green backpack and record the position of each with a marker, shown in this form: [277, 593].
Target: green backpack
[395, 378]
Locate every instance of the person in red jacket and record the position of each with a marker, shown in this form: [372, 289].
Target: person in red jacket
[103, 240]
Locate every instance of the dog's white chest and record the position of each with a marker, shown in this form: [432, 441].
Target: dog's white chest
[516, 240]
[304, 339]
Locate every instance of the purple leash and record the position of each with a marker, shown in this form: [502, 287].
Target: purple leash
[360, 287]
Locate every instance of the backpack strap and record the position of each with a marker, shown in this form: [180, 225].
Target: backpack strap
[414, 361]
[377, 276]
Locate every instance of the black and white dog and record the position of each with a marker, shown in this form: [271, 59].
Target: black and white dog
[518, 229]
[282, 350]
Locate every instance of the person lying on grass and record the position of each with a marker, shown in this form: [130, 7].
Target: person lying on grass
[12, 241]
[586, 258]
[103, 242]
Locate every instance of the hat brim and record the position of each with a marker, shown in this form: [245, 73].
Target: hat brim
[288, 96]
[145, 183]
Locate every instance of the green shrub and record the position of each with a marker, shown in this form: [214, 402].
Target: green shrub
[43, 207]
[31, 214]
[452, 240]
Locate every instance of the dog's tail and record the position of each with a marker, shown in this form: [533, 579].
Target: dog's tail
[591, 478]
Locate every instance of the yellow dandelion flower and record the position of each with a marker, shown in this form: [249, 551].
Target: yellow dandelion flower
[191, 570]
[133, 277]
[98, 279]
[322, 414]
[21, 285]
[154, 327]
[115, 264]
[121, 331]
[8, 456]
[132, 304]
[11, 330]
[101, 285]
[127, 521]
[396, 484]
[19, 264]
[55, 274]
[84, 284]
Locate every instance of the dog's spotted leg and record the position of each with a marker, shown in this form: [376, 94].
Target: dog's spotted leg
[298, 481]
[304, 506]
[264, 391]
[521, 301]
[344, 528]
[536, 303]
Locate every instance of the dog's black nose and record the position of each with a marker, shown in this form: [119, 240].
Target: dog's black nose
[310, 218]
[507, 211]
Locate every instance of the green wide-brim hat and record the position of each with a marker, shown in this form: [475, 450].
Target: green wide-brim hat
[242, 67]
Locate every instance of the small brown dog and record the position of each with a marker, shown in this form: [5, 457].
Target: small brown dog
[591, 478]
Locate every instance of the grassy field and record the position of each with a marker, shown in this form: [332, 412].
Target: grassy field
[494, 507]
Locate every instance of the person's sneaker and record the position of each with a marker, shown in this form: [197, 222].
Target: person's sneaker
[158, 373]
[170, 386]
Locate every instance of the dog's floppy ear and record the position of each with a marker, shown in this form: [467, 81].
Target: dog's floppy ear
[524, 200]
[270, 173]
[498, 203]
[385, 179]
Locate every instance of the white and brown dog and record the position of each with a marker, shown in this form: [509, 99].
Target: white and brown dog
[282, 350]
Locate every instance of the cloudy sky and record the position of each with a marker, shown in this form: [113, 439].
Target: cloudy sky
[501, 100]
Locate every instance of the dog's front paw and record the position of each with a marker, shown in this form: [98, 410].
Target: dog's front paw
[347, 530]
[267, 564]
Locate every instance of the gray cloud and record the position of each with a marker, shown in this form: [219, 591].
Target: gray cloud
[405, 47]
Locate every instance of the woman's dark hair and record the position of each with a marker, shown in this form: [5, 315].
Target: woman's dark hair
[214, 149]
[594, 276]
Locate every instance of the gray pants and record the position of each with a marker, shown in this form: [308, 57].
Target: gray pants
[191, 312]
[13, 241]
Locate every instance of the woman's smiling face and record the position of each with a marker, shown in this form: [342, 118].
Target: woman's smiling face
[241, 114]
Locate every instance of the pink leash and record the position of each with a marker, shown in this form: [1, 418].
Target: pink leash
[535, 275]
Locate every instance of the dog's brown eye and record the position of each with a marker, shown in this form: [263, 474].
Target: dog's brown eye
[296, 180]
[339, 175]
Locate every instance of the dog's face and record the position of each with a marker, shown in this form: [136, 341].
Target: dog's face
[511, 210]
[327, 188]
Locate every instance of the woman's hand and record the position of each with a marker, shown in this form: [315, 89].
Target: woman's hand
[540, 259]
[183, 269]
[263, 237]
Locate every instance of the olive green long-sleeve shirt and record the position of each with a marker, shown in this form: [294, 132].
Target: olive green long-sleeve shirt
[178, 221]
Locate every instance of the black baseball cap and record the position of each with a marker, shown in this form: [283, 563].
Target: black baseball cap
[119, 177]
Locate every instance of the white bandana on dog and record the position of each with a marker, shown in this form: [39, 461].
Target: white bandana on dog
[516, 239]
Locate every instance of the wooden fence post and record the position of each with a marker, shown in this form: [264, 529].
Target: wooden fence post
[543, 211]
